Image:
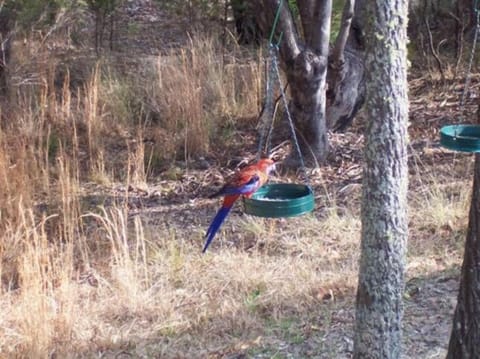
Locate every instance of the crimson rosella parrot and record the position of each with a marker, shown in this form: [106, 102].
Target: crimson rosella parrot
[244, 183]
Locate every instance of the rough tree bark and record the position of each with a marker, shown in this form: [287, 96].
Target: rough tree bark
[346, 73]
[346, 94]
[465, 335]
[384, 201]
[306, 60]
[305, 64]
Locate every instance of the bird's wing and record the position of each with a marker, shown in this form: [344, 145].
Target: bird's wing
[250, 179]
[245, 182]
[242, 185]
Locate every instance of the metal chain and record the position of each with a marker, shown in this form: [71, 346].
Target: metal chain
[275, 22]
[267, 112]
[267, 115]
[273, 73]
[287, 112]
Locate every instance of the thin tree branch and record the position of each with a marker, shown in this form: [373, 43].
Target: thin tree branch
[432, 48]
[341, 41]
[305, 8]
[320, 36]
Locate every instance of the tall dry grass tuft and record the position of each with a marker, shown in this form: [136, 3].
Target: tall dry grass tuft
[441, 200]
[138, 165]
[194, 91]
[41, 256]
[17, 162]
[128, 250]
[439, 203]
[27, 144]
[43, 308]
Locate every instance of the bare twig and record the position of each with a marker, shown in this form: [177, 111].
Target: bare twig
[341, 41]
[432, 48]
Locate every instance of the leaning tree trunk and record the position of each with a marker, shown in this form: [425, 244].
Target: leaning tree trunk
[347, 89]
[384, 202]
[465, 336]
[346, 73]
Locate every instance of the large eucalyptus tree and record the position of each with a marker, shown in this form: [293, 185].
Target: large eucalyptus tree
[307, 57]
[305, 60]
[384, 201]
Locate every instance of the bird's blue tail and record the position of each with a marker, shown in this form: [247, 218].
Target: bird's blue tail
[215, 225]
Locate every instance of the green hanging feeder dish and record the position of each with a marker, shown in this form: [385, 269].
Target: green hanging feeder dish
[464, 138]
[280, 200]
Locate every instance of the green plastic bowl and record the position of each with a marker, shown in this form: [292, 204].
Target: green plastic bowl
[280, 200]
[464, 138]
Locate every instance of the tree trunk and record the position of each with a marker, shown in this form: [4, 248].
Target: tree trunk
[305, 64]
[338, 57]
[307, 79]
[346, 73]
[465, 336]
[346, 93]
[379, 308]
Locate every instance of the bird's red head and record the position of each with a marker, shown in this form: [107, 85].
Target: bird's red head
[267, 165]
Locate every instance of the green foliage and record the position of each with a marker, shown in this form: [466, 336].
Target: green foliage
[292, 4]
[106, 7]
[289, 329]
[337, 9]
[252, 299]
[35, 14]
[30, 13]
[195, 10]
[53, 145]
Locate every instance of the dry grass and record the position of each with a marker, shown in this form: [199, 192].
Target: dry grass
[439, 211]
[153, 288]
[79, 281]
[195, 92]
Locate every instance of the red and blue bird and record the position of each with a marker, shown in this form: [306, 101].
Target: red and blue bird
[244, 183]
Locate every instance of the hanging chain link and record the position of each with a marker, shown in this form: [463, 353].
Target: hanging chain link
[268, 113]
[287, 112]
[273, 74]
